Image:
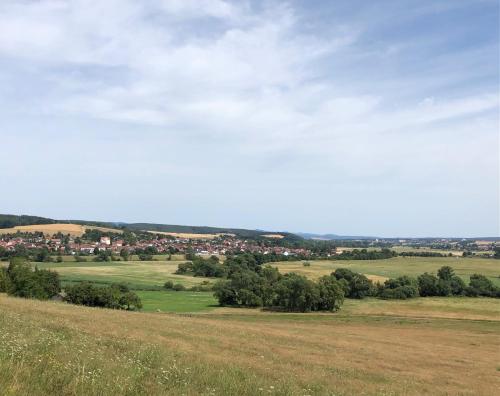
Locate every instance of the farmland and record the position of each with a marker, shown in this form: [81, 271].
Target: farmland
[138, 274]
[412, 266]
[369, 347]
[75, 230]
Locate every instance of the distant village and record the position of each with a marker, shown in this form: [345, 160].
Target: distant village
[156, 244]
[94, 241]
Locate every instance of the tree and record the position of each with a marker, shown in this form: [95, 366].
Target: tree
[428, 285]
[446, 273]
[116, 296]
[131, 301]
[23, 281]
[331, 294]
[480, 285]
[169, 285]
[400, 288]
[296, 293]
[124, 254]
[356, 285]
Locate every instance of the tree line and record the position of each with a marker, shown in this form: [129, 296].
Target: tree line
[20, 279]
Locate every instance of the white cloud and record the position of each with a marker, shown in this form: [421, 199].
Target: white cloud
[259, 79]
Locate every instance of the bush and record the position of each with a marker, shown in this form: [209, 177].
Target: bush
[428, 285]
[116, 296]
[169, 285]
[355, 285]
[306, 264]
[480, 285]
[400, 288]
[21, 280]
[145, 257]
[178, 287]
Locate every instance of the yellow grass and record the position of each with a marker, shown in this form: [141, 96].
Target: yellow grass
[186, 235]
[379, 348]
[275, 236]
[51, 229]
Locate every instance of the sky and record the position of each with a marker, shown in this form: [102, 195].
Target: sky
[346, 117]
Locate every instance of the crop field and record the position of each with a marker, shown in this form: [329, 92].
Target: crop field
[413, 266]
[138, 274]
[50, 229]
[370, 347]
[185, 235]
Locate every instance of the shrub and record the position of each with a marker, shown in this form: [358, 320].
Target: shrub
[400, 288]
[22, 281]
[116, 296]
[428, 285]
[178, 287]
[355, 285]
[480, 285]
[169, 285]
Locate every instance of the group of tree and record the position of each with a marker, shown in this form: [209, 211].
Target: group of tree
[198, 266]
[424, 254]
[115, 296]
[250, 284]
[20, 279]
[365, 254]
[445, 284]
[290, 292]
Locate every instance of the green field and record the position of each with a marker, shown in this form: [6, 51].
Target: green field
[137, 274]
[173, 301]
[413, 266]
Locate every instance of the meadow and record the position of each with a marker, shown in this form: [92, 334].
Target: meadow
[148, 277]
[379, 270]
[137, 274]
[371, 347]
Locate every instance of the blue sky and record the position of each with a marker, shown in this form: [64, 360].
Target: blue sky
[349, 117]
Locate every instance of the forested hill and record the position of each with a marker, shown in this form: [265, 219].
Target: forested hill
[9, 221]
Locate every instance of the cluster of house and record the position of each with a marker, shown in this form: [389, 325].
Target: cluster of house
[209, 247]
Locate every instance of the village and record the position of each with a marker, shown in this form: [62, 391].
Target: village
[152, 243]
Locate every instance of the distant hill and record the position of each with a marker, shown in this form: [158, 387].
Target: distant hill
[10, 221]
[332, 237]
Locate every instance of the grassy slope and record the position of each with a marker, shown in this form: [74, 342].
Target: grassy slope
[397, 266]
[376, 348]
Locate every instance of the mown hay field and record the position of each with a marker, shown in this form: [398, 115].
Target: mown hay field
[412, 266]
[389, 348]
[51, 229]
[187, 235]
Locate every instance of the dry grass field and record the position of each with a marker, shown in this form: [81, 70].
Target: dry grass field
[184, 235]
[50, 229]
[370, 347]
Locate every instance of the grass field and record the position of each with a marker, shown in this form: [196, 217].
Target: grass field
[138, 274]
[397, 266]
[371, 347]
[50, 229]
[177, 301]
